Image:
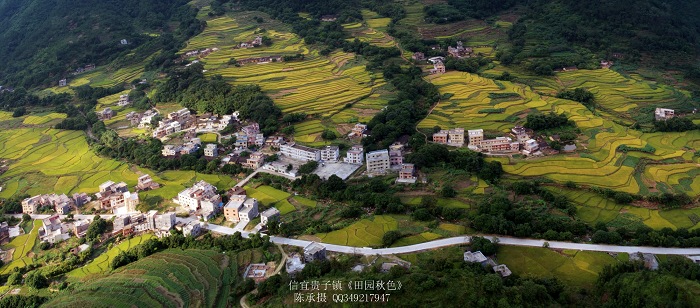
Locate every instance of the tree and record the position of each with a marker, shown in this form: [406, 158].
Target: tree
[448, 191]
[328, 135]
[308, 167]
[96, 228]
[484, 245]
[390, 237]
[15, 279]
[36, 280]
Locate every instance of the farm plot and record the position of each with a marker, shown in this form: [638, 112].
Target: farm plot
[101, 264]
[22, 246]
[271, 196]
[363, 233]
[173, 278]
[43, 119]
[578, 269]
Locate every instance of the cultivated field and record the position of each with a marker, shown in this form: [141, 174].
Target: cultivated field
[271, 196]
[363, 233]
[101, 264]
[476, 102]
[22, 246]
[173, 278]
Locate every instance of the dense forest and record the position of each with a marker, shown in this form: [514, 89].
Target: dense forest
[44, 41]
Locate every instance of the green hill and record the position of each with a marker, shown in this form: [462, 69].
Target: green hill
[173, 278]
[42, 41]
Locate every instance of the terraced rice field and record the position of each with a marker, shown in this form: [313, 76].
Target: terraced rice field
[22, 245]
[371, 30]
[43, 119]
[577, 268]
[173, 278]
[317, 85]
[363, 233]
[597, 162]
[49, 160]
[101, 264]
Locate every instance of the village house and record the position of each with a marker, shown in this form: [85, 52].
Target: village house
[234, 204]
[355, 156]
[53, 230]
[499, 144]
[531, 145]
[455, 137]
[170, 150]
[396, 154]
[438, 68]
[266, 59]
[81, 199]
[274, 141]
[440, 137]
[606, 64]
[145, 182]
[329, 18]
[460, 51]
[407, 174]
[146, 118]
[249, 210]
[116, 196]
[663, 114]
[80, 227]
[210, 150]
[330, 153]
[124, 42]
[255, 160]
[314, 251]
[474, 257]
[192, 228]
[63, 82]
[256, 272]
[475, 137]
[521, 134]
[123, 100]
[300, 152]
[358, 130]
[434, 60]
[165, 221]
[105, 114]
[201, 192]
[378, 162]
[418, 56]
[502, 270]
[268, 214]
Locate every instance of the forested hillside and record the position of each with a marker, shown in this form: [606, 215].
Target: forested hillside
[42, 41]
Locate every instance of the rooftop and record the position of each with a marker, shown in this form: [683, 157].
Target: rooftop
[270, 212]
[313, 248]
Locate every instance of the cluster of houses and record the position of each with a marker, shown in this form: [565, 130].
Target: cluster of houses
[117, 198]
[86, 68]
[264, 59]
[62, 204]
[478, 257]
[188, 147]
[249, 135]
[55, 230]
[131, 223]
[460, 51]
[209, 122]
[176, 121]
[520, 139]
[295, 263]
[141, 119]
[201, 198]
[254, 43]
[201, 53]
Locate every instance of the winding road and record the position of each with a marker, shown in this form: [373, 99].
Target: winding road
[445, 242]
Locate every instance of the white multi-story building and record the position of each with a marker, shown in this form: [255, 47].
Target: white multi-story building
[191, 198]
[165, 221]
[210, 150]
[456, 137]
[378, 162]
[268, 214]
[355, 156]
[300, 152]
[249, 210]
[330, 153]
[500, 144]
[664, 114]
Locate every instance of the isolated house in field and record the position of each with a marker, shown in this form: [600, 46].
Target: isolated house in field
[123, 100]
[662, 114]
[314, 251]
[62, 83]
[418, 56]
[474, 257]
[329, 18]
[105, 114]
[502, 270]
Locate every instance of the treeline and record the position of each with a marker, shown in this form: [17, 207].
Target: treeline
[580, 95]
[675, 124]
[434, 155]
[228, 243]
[456, 10]
[42, 42]
[189, 88]
[542, 121]
[21, 98]
[414, 98]
[563, 33]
